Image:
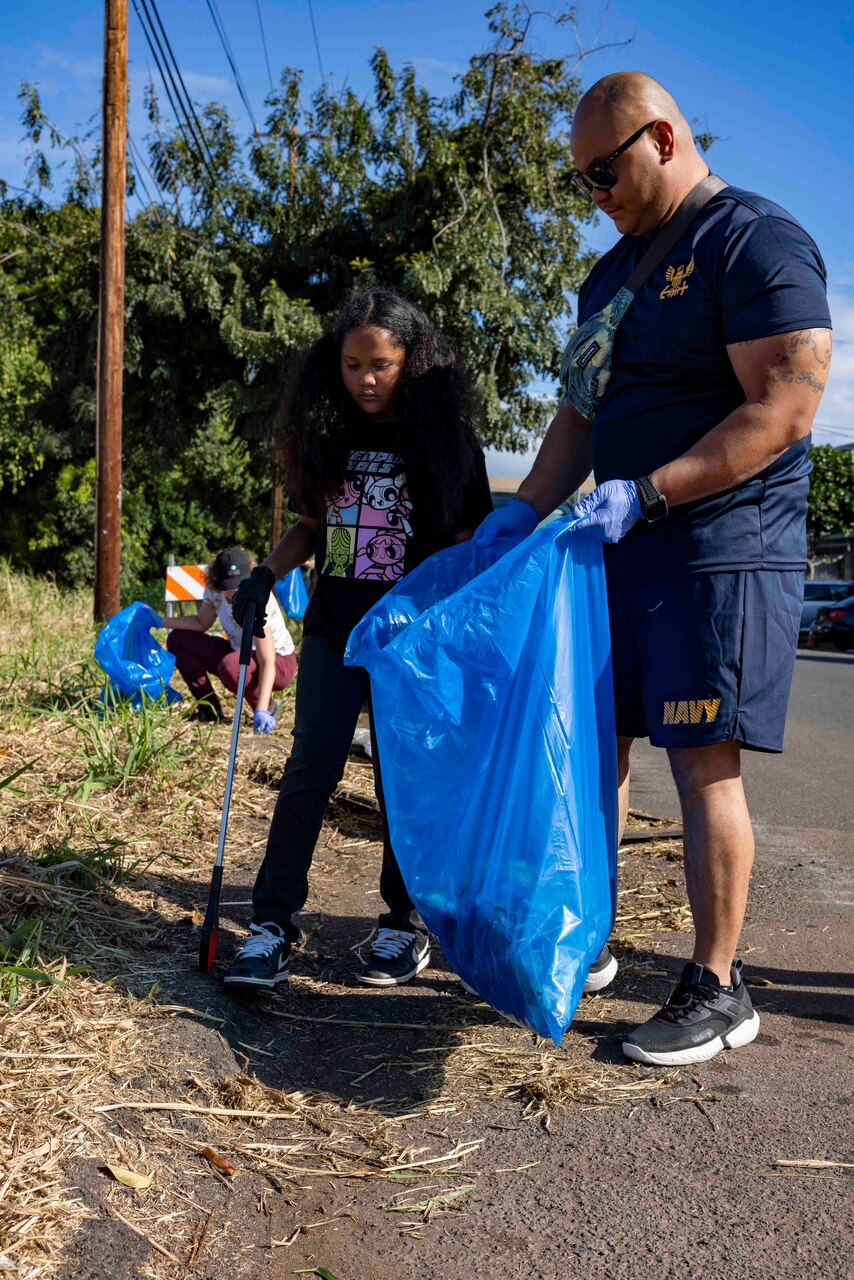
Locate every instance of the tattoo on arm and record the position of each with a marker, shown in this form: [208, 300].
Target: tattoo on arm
[804, 343]
[786, 375]
[818, 342]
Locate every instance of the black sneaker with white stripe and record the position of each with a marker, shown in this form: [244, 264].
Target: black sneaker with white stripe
[699, 1020]
[602, 973]
[397, 955]
[263, 959]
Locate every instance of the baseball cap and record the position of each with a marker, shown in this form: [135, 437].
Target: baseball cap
[229, 568]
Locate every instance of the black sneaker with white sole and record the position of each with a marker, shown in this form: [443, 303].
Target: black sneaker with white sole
[699, 1020]
[263, 959]
[602, 973]
[397, 955]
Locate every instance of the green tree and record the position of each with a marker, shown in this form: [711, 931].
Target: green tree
[831, 501]
[465, 202]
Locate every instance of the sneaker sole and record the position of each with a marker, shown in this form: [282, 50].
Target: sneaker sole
[395, 982]
[601, 979]
[257, 982]
[743, 1034]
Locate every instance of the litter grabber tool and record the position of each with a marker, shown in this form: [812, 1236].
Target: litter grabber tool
[210, 928]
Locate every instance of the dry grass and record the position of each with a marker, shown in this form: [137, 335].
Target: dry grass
[100, 836]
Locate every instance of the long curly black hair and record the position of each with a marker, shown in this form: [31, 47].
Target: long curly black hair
[434, 433]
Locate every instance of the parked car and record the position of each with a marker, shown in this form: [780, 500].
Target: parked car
[503, 488]
[817, 594]
[834, 625]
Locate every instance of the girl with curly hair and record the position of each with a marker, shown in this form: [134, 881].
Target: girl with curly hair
[384, 469]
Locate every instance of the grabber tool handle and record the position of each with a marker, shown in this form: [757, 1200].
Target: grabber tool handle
[210, 927]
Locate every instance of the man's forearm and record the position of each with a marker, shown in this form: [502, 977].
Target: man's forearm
[745, 443]
[563, 461]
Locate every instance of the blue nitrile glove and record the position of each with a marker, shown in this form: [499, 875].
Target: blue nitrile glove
[256, 587]
[263, 721]
[507, 526]
[608, 512]
[150, 617]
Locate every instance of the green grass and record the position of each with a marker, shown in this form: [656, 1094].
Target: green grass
[47, 637]
[20, 941]
[86, 778]
[118, 744]
[93, 867]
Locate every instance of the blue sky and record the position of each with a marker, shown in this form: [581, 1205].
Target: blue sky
[774, 80]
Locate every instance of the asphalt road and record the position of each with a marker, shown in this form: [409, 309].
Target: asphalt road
[811, 785]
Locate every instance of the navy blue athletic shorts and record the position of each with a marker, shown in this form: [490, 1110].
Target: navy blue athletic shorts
[706, 658]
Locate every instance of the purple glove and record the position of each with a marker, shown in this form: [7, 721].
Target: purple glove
[149, 617]
[608, 512]
[508, 525]
[263, 721]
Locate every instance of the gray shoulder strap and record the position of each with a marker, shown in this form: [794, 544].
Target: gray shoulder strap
[672, 230]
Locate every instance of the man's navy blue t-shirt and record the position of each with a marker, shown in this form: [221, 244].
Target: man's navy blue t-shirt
[744, 269]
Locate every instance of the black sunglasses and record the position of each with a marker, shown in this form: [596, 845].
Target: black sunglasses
[600, 174]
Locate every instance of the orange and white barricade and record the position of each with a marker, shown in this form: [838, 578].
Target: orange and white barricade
[184, 582]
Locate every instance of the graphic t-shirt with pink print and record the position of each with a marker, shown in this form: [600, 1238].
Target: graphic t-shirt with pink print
[368, 519]
[368, 534]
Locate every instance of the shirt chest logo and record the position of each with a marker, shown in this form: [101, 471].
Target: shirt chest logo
[677, 280]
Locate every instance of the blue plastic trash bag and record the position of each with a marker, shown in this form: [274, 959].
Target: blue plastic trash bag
[292, 594]
[134, 663]
[493, 703]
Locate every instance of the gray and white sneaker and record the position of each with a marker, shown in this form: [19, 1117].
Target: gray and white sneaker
[263, 959]
[700, 1019]
[602, 973]
[397, 955]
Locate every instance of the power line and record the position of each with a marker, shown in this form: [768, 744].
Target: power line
[139, 164]
[264, 43]
[188, 121]
[316, 41]
[189, 101]
[140, 156]
[213, 9]
[149, 41]
[195, 143]
[834, 431]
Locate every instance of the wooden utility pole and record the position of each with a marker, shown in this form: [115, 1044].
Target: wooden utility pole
[108, 450]
[277, 495]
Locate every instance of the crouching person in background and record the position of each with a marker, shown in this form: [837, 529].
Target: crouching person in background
[198, 655]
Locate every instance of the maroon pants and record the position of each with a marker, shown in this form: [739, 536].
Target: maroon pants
[199, 655]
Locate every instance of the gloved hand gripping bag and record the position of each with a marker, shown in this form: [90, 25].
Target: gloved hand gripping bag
[493, 704]
[134, 663]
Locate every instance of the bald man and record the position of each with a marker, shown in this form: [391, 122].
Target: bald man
[692, 397]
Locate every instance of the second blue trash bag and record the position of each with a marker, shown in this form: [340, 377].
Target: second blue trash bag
[292, 594]
[493, 703]
[134, 663]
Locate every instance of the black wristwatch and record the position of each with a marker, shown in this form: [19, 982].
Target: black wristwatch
[653, 503]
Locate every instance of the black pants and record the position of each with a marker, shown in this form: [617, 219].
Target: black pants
[329, 698]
